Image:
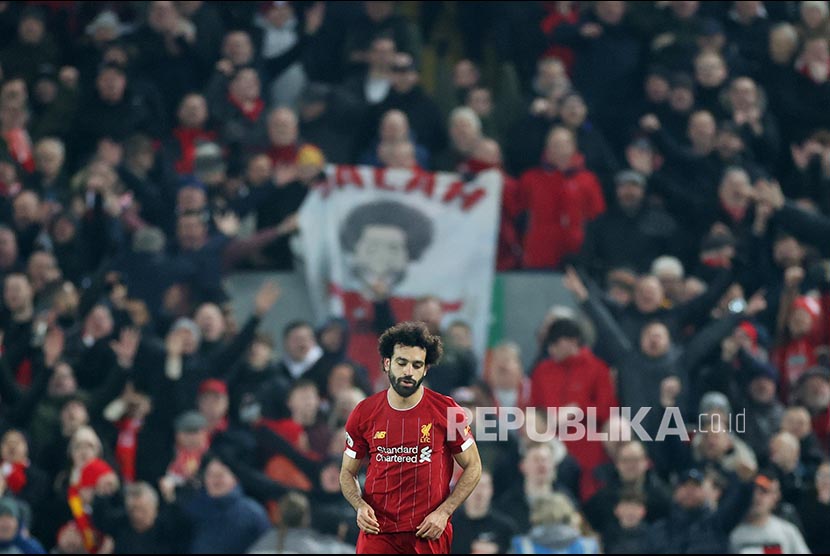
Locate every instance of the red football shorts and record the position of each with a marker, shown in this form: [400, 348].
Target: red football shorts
[403, 543]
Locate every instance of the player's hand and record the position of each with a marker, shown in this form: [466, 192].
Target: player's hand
[367, 521]
[433, 525]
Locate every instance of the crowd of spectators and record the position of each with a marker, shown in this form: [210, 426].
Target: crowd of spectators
[670, 159]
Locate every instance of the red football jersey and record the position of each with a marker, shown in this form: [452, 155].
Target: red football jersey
[410, 455]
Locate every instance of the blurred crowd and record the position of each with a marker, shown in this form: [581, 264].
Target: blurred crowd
[670, 159]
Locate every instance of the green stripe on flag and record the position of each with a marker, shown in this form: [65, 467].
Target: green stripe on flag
[496, 312]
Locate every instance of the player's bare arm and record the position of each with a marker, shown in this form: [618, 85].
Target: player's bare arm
[433, 525]
[350, 487]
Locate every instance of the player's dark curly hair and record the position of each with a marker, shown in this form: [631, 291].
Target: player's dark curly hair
[416, 226]
[414, 334]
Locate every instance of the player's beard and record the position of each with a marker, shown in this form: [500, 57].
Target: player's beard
[404, 390]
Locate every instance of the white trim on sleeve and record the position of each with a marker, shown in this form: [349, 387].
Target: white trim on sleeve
[351, 453]
[467, 444]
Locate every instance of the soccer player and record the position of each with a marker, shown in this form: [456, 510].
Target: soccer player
[410, 435]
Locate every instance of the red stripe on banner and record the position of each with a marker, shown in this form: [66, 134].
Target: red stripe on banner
[469, 199]
[348, 175]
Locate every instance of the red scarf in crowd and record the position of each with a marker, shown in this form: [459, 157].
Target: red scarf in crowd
[283, 154]
[87, 478]
[126, 446]
[20, 148]
[288, 429]
[15, 475]
[189, 139]
[186, 463]
[23, 373]
[804, 69]
[251, 113]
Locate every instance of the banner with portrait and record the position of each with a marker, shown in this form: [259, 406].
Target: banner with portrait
[367, 231]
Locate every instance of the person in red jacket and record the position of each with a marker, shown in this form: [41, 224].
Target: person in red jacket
[556, 14]
[192, 131]
[572, 376]
[799, 347]
[561, 197]
[90, 476]
[487, 156]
